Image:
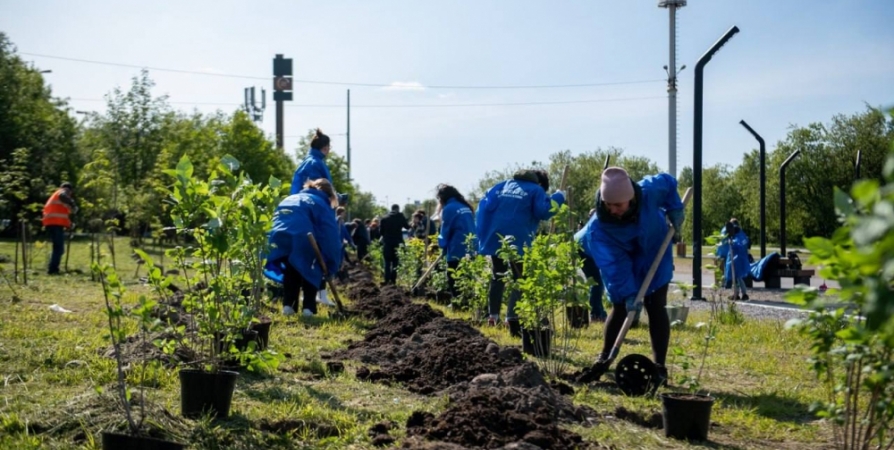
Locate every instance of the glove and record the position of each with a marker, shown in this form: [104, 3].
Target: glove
[343, 199]
[676, 217]
[561, 194]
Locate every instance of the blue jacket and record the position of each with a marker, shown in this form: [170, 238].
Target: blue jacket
[457, 222]
[313, 167]
[740, 255]
[345, 235]
[299, 214]
[512, 208]
[624, 249]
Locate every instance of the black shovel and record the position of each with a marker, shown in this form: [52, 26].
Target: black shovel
[635, 374]
[341, 312]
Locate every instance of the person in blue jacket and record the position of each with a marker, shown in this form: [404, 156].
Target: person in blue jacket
[291, 254]
[314, 165]
[457, 222]
[512, 208]
[624, 238]
[597, 289]
[734, 249]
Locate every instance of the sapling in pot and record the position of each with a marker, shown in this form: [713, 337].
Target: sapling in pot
[113, 293]
[226, 219]
[687, 415]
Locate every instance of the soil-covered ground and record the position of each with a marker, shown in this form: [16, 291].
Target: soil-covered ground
[496, 399]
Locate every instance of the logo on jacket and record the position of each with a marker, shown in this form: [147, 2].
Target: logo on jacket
[512, 190]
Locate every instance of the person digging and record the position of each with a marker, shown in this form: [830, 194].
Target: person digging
[624, 238]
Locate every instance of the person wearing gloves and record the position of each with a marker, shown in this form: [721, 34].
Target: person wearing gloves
[291, 257]
[624, 238]
[734, 249]
[597, 289]
[457, 222]
[57, 214]
[512, 208]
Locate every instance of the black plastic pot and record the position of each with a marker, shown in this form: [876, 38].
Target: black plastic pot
[115, 441]
[263, 329]
[577, 316]
[686, 416]
[536, 342]
[202, 392]
[514, 327]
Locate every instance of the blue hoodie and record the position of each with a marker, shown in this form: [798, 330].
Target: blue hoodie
[457, 222]
[740, 255]
[624, 250]
[313, 167]
[299, 214]
[512, 208]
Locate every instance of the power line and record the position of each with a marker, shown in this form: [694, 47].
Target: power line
[341, 83]
[423, 105]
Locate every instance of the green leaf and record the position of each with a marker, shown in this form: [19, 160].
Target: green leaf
[230, 162]
[844, 205]
[820, 247]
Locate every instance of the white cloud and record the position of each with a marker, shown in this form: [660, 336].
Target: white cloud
[405, 86]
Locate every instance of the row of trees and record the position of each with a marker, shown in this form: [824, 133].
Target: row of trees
[117, 159]
[827, 160]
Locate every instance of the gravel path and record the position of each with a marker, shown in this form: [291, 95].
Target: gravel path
[765, 304]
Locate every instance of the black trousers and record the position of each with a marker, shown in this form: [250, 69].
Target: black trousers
[389, 253]
[293, 284]
[451, 281]
[659, 325]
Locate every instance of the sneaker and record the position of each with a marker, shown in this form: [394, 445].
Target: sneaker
[323, 298]
[287, 310]
[745, 297]
[307, 313]
[733, 297]
[491, 322]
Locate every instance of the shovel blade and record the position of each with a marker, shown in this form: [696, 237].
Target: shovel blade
[594, 372]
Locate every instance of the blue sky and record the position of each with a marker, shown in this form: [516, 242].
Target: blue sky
[794, 62]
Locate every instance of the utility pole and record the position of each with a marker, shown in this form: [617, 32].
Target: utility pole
[282, 91]
[672, 72]
[349, 136]
[255, 112]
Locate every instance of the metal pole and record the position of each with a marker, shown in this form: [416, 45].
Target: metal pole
[697, 163]
[279, 124]
[857, 166]
[763, 186]
[349, 136]
[782, 201]
[672, 94]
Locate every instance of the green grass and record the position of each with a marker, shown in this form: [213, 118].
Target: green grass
[51, 367]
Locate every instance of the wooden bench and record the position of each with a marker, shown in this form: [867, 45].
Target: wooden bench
[785, 269]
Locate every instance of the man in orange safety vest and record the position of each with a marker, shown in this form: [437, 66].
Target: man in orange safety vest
[56, 218]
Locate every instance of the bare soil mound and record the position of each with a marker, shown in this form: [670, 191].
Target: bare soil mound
[417, 346]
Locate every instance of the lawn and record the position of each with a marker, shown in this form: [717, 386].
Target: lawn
[56, 381]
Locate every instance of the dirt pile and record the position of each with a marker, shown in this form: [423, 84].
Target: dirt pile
[513, 409]
[496, 400]
[416, 345]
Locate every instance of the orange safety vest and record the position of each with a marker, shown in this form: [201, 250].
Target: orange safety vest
[56, 212]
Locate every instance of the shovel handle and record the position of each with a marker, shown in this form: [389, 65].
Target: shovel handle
[313, 243]
[641, 294]
[552, 223]
[427, 272]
